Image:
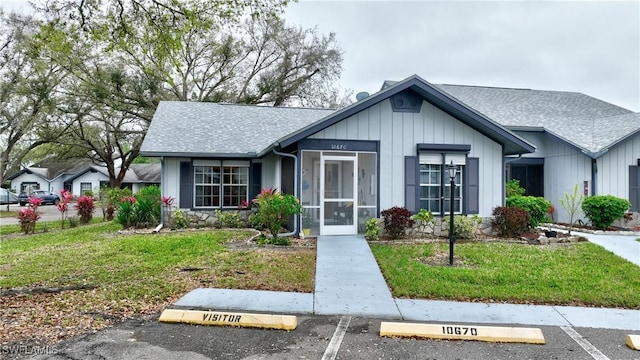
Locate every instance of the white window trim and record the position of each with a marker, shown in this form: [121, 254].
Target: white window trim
[221, 164]
[443, 159]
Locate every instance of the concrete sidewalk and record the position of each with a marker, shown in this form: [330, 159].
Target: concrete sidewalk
[349, 282]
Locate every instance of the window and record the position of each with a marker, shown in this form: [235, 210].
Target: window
[435, 188]
[84, 187]
[220, 186]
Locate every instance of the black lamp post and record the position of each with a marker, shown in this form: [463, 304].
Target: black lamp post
[451, 169]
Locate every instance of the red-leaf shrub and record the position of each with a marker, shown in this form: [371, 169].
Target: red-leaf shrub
[510, 221]
[85, 208]
[28, 218]
[396, 221]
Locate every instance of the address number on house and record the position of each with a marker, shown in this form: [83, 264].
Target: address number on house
[459, 330]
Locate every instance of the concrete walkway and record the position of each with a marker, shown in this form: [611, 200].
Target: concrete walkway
[349, 282]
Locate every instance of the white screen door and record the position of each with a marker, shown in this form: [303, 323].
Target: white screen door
[338, 196]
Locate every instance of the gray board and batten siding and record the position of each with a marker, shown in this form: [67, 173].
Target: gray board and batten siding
[399, 133]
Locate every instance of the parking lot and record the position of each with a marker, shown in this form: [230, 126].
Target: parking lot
[316, 338]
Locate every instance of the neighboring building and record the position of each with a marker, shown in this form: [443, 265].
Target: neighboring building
[47, 175]
[80, 176]
[391, 148]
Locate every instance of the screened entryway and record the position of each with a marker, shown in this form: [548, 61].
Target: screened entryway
[338, 191]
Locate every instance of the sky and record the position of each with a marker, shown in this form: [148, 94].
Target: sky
[592, 47]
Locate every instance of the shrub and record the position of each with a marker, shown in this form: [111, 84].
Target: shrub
[274, 210]
[464, 227]
[85, 207]
[110, 200]
[603, 210]
[149, 205]
[180, 221]
[372, 229]
[229, 219]
[513, 188]
[425, 220]
[126, 214]
[28, 218]
[510, 221]
[396, 221]
[63, 205]
[536, 207]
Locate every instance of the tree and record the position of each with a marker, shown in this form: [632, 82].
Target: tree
[28, 86]
[124, 56]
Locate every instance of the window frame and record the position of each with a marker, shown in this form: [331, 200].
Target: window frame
[439, 160]
[238, 178]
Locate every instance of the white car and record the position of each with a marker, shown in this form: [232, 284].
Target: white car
[7, 197]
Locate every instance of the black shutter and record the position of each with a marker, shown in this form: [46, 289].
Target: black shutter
[411, 183]
[634, 197]
[472, 188]
[186, 185]
[255, 180]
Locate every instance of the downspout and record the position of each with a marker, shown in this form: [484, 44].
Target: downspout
[161, 225]
[295, 189]
[594, 177]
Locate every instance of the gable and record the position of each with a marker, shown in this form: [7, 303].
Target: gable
[511, 143]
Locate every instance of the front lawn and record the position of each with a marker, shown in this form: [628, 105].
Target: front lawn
[573, 274]
[117, 276]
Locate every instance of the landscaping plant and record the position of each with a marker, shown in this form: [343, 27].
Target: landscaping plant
[464, 227]
[571, 203]
[372, 229]
[396, 221]
[63, 205]
[85, 207]
[425, 220]
[28, 217]
[536, 207]
[274, 210]
[513, 188]
[510, 221]
[603, 210]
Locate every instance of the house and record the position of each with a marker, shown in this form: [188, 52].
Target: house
[579, 140]
[94, 177]
[80, 176]
[49, 175]
[392, 148]
[388, 149]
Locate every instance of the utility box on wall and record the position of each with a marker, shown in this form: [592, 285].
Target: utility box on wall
[586, 188]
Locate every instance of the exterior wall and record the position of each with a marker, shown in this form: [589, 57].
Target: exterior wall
[564, 166]
[613, 168]
[271, 172]
[171, 178]
[29, 178]
[399, 133]
[89, 177]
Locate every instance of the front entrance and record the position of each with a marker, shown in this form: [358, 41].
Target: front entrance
[338, 190]
[338, 195]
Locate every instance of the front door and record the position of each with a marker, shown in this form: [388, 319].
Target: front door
[338, 215]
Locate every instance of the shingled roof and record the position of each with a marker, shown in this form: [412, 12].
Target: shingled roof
[202, 129]
[591, 124]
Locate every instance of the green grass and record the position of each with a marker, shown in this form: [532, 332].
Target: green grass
[576, 274]
[41, 226]
[130, 275]
[145, 265]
